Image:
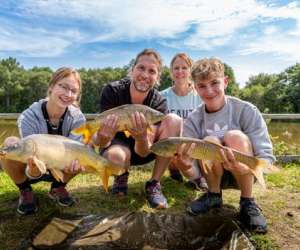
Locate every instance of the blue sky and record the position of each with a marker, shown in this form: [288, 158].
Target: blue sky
[250, 36]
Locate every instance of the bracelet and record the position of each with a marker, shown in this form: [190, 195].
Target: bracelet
[30, 176]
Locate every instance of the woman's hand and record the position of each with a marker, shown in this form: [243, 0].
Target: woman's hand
[32, 170]
[74, 168]
[11, 140]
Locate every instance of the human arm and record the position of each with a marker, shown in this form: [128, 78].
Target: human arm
[254, 126]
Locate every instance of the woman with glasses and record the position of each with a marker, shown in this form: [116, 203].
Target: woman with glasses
[57, 114]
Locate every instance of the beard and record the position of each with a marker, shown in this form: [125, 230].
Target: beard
[141, 87]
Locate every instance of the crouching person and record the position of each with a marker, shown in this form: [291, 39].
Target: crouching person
[231, 122]
[135, 150]
[57, 114]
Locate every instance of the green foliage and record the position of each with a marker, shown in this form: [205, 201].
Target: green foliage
[165, 79]
[289, 181]
[273, 93]
[232, 88]
[279, 147]
[293, 88]
[262, 242]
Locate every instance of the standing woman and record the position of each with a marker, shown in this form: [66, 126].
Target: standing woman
[58, 114]
[182, 99]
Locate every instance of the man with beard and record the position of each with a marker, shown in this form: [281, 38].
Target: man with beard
[135, 150]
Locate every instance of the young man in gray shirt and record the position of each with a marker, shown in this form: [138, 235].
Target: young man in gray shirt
[231, 122]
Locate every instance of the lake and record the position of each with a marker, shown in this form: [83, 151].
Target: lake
[288, 132]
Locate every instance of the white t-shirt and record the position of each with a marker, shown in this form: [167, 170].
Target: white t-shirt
[181, 105]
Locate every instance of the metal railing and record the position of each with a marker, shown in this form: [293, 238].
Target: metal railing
[89, 116]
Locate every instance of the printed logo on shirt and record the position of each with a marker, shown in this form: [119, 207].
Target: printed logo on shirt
[183, 113]
[217, 131]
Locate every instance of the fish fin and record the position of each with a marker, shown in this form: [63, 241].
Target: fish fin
[105, 178]
[150, 130]
[258, 172]
[83, 130]
[57, 174]
[260, 178]
[270, 169]
[206, 166]
[127, 133]
[110, 170]
[40, 164]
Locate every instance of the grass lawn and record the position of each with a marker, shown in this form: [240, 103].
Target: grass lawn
[280, 204]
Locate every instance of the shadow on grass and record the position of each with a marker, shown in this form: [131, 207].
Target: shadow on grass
[91, 200]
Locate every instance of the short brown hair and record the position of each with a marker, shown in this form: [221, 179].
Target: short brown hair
[148, 52]
[204, 67]
[64, 72]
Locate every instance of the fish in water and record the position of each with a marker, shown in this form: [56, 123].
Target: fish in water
[54, 152]
[211, 151]
[124, 113]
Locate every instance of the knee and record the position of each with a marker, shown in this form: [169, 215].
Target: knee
[118, 155]
[10, 141]
[172, 124]
[236, 139]
[213, 139]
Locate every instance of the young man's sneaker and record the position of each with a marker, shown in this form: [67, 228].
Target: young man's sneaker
[197, 184]
[206, 202]
[27, 202]
[120, 186]
[154, 195]
[61, 196]
[175, 174]
[251, 216]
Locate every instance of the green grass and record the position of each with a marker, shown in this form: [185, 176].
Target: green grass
[283, 195]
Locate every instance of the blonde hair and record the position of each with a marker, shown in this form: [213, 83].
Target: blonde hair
[184, 57]
[188, 61]
[204, 67]
[64, 72]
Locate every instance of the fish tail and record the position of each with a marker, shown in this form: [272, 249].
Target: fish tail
[127, 133]
[258, 172]
[105, 178]
[110, 170]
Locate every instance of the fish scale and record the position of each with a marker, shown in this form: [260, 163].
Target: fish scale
[205, 150]
[124, 113]
[54, 152]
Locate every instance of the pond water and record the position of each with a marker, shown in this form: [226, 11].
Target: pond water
[289, 132]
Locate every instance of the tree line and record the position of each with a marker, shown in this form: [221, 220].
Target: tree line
[19, 87]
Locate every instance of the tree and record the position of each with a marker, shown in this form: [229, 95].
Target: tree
[233, 87]
[293, 89]
[12, 75]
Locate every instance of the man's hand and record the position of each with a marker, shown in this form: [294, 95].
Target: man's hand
[139, 126]
[107, 131]
[231, 164]
[183, 158]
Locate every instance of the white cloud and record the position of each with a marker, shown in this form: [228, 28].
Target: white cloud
[287, 48]
[35, 42]
[194, 24]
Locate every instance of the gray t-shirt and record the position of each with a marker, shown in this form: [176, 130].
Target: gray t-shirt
[235, 115]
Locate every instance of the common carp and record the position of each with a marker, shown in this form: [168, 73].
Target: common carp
[54, 152]
[124, 113]
[211, 151]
